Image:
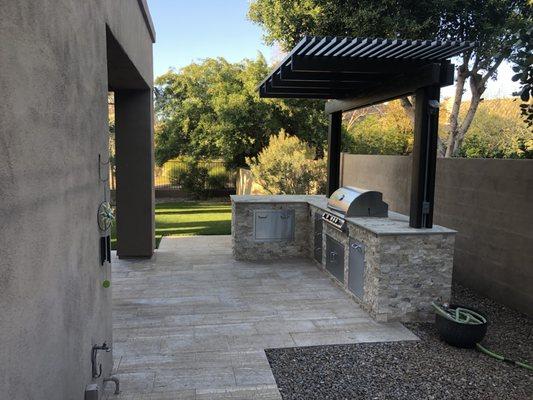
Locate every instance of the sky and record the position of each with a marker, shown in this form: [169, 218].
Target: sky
[189, 31]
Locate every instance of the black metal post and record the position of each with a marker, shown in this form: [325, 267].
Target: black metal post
[424, 157]
[334, 151]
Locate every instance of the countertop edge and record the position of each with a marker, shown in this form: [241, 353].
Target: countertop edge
[320, 202]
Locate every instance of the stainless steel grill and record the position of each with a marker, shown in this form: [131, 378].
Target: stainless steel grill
[349, 202]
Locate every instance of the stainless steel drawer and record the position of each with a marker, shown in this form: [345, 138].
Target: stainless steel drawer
[273, 225]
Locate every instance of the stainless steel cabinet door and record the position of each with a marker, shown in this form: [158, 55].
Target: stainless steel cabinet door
[335, 258]
[356, 268]
[274, 225]
[317, 251]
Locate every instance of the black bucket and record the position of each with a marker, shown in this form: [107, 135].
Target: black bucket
[457, 334]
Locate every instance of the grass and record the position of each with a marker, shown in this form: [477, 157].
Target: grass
[188, 218]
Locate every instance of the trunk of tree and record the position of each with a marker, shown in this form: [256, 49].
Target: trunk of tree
[478, 84]
[408, 105]
[453, 133]
[477, 87]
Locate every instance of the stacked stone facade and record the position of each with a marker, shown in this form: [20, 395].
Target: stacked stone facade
[245, 247]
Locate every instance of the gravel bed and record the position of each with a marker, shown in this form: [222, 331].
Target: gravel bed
[428, 369]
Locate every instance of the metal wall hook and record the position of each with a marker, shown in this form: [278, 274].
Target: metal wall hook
[97, 369]
[100, 163]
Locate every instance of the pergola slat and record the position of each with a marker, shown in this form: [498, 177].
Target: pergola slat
[333, 60]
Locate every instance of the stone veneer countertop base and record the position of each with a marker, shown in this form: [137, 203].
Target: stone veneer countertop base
[395, 224]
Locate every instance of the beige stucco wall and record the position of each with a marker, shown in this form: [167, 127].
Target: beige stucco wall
[53, 125]
[489, 202]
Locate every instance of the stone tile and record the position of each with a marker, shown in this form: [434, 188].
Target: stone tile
[261, 341]
[136, 382]
[204, 378]
[175, 395]
[254, 375]
[192, 323]
[261, 392]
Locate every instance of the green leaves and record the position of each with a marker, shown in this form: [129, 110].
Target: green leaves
[288, 166]
[213, 110]
[523, 69]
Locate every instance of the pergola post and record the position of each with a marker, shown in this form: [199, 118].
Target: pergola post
[424, 156]
[135, 168]
[334, 151]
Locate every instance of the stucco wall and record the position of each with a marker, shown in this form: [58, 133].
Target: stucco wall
[489, 203]
[53, 125]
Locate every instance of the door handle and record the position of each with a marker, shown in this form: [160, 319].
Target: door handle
[357, 247]
[332, 256]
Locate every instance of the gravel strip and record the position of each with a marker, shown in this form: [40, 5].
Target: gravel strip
[428, 369]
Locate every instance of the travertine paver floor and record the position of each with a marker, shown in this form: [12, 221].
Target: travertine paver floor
[192, 323]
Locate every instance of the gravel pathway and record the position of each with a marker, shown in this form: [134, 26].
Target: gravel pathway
[429, 369]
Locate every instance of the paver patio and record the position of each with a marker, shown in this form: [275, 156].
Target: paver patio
[193, 323]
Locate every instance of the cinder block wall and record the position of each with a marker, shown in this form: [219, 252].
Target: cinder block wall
[489, 202]
[53, 125]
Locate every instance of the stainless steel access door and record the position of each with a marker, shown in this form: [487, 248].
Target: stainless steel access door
[335, 258]
[274, 225]
[317, 243]
[356, 268]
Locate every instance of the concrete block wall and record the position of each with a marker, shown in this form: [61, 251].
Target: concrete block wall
[489, 202]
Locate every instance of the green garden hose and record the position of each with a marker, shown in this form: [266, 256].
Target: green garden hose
[502, 358]
[466, 316]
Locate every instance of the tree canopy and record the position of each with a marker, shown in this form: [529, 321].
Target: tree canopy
[493, 24]
[212, 110]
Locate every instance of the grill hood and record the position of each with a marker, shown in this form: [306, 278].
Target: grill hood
[355, 202]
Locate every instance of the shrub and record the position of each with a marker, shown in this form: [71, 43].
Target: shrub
[176, 173]
[288, 166]
[372, 135]
[195, 179]
[217, 178]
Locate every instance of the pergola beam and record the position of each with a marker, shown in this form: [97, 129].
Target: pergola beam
[334, 152]
[347, 65]
[427, 75]
[286, 73]
[424, 157]
[277, 81]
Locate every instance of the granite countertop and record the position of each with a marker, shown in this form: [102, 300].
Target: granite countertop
[281, 198]
[394, 224]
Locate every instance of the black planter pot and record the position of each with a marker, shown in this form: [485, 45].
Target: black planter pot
[457, 334]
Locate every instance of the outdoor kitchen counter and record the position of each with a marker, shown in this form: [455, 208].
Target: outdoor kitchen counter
[394, 271]
[271, 227]
[394, 224]
[280, 198]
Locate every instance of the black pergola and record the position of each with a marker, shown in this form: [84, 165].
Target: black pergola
[358, 72]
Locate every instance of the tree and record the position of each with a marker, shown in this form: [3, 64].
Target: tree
[523, 69]
[492, 23]
[212, 110]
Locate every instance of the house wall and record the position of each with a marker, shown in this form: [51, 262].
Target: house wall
[489, 202]
[53, 125]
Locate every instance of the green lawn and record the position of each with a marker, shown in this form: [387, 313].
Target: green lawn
[189, 218]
